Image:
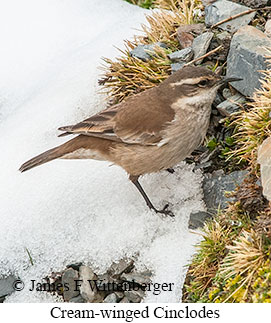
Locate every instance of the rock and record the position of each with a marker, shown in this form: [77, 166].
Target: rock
[77, 299]
[183, 55]
[221, 37]
[246, 57]
[143, 51]
[69, 276]
[216, 184]
[124, 265]
[230, 106]
[134, 296]
[218, 99]
[176, 66]
[227, 93]
[184, 35]
[207, 2]
[111, 298]
[119, 295]
[224, 9]
[197, 219]
[6, 285]
[125, 300]
[201, 43]
[139, 278]
[267, 28]
[205, 165]
[75, 266]
[264, 159]
[255, 3]
[87, 292]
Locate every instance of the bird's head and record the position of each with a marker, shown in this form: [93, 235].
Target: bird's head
[194, 85]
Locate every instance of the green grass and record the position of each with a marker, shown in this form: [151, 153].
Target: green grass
[147, 4]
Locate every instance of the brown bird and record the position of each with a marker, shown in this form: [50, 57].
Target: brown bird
[150, 131]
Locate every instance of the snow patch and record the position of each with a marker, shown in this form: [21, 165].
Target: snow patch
[71, 211]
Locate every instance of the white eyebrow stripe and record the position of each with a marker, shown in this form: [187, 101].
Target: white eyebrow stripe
[188, 81]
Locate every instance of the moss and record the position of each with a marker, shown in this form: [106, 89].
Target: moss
[147, 4]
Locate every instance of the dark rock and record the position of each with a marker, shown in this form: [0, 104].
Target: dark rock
[134, 296]
[218, 99]
[119, 295]
[204, 165]
[246, 57]
[143, 51]
[111, 298]
[125, 300]
[6, 285]
[197, 219]
[224, 9]
[124, 265]
[215, 186]
[255, 3]
[75, 266]
[139, 278]
[231, 105]
[77, 299]
[201, 44]
[69, 276]
[222, 37]
[176, 66]
[183, 55]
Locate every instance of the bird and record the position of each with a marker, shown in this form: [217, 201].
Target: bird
[149, 131]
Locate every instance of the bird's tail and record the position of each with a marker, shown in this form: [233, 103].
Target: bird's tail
[45, 157]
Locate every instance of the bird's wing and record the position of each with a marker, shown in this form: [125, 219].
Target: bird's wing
[98, 125]
[138, 120]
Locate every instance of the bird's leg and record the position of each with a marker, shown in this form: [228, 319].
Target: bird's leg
[171, 170]
[134, 180]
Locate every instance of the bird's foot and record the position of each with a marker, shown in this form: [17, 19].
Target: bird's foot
[165, 211]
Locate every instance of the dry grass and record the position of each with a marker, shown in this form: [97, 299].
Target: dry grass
[235, 249]
[186, 8]
[245, 255]
[128, 75]
[253, 125]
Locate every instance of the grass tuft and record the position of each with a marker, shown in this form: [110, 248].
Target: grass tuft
[128, 75]
[253, 125]
[234, 253]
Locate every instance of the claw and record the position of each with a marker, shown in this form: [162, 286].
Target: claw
[165, 211]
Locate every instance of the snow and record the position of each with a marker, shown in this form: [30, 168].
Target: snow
[71, 211]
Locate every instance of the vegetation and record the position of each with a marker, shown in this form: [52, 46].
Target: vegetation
[233, 260]
[129, 75]
[143, 3]
[253, 125]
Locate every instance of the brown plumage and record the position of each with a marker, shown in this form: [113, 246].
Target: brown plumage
[153, 130]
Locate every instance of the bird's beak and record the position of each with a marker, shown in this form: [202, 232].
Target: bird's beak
[226, 80]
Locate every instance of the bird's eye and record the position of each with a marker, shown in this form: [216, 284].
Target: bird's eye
[203, 83]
